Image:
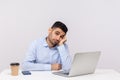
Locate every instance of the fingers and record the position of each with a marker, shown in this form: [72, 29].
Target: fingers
[63, 41]
[56, 66]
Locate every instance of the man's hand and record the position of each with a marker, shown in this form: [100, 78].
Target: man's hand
[63, 41]
[56, 66]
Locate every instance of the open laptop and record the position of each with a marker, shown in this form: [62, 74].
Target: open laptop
[83, 63]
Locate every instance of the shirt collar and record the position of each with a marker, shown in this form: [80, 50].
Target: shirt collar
[45, 44]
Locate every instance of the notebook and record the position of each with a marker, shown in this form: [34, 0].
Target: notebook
[82, 64]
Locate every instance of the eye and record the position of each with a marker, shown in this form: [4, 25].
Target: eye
[57, 33]
[62, 37]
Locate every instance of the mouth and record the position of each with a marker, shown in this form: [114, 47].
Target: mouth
[56, 41]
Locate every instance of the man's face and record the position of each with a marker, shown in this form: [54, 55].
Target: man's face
[55, 36]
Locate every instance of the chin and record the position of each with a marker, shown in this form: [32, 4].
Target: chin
[55, 44]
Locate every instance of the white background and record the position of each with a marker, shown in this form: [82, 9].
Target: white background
[94, 25]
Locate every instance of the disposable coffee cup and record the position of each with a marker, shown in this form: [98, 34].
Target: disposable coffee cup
[14, 69]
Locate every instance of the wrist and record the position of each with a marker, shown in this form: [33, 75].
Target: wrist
[60, 44]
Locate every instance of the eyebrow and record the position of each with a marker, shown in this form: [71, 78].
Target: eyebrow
[59, 33]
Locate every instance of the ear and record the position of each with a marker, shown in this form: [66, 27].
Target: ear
[49, 30]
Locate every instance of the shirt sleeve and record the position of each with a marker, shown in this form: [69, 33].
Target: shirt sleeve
[30, 61]
[65, 57]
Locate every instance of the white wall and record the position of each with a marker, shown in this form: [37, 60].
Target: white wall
[93, 25]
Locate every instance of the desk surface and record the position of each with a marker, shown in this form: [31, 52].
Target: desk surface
[100, 74]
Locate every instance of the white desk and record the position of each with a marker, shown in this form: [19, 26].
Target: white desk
[100, 74]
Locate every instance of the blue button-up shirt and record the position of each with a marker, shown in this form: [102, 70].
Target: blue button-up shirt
[40, 56]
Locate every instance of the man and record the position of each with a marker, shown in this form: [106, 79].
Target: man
[51, 52]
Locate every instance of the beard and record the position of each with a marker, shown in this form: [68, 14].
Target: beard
[53, 42]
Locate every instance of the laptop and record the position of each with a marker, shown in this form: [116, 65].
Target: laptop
[83, 63]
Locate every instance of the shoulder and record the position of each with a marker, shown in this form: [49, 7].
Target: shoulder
[38, 41]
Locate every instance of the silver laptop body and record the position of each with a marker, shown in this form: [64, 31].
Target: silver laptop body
[83, 63]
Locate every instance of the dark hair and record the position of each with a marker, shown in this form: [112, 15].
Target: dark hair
[60, 25]
[15, 64]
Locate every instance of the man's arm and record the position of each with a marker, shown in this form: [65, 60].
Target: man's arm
[64, 54]
[30, 60]
[65, 57]
[35, 66]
